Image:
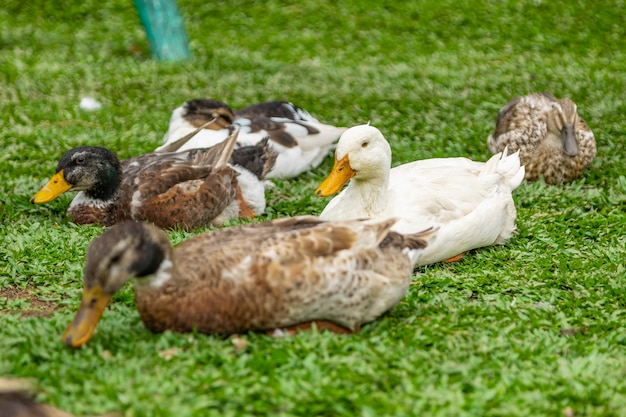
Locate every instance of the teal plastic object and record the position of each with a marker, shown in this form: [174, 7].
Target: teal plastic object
[165, 29]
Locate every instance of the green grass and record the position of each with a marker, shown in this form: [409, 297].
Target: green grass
[536, 327]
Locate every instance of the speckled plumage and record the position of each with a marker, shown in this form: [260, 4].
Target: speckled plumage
[186, 189]
[259, 276]
[300, 140]
[553, 140]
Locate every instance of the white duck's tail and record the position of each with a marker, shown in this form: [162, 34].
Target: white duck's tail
[507, 166]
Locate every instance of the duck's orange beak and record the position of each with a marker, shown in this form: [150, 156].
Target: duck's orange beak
[87, 317]
[54, 188]
[340, 174]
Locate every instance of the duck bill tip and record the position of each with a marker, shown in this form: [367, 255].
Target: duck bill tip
[87, 317]
[56, 186]
[338, 177]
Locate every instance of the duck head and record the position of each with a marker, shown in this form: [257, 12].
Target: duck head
[562, 121]
[362, 153]
[125, 251]
[199, 111]
[92, 169]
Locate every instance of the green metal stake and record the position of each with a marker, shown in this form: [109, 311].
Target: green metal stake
[165, 29]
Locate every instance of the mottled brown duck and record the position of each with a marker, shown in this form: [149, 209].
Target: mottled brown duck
[300, 140]
[184, 189]
[553, 141]
[261, 276]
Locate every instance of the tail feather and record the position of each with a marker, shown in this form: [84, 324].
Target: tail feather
[179, 143]
[507, 166]
[412, 244]
[258, 159]
[227, 150]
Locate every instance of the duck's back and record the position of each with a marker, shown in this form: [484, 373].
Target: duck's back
[282, 273]
[522, 124]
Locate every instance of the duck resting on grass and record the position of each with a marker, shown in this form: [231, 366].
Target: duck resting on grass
[300, 140]
[470, 203]
[553, 141]
[260, 276]
[185, 189]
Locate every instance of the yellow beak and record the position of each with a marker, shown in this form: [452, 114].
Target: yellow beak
[87, 317]
[54, 188]
[340, 174]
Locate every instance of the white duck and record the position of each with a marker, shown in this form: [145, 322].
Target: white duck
[469, 202]
[300, 140]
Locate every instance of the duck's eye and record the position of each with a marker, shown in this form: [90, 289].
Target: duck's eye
[364, 144]
[115, 258]
[80, 160]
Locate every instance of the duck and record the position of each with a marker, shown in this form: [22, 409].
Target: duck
[262, 276]
[553, 141]
[300, 140]
[186, 189]
[17, 399]
[469, 202]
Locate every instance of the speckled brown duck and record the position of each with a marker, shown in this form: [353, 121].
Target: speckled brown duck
[261, 276]
[186, 189]
[554, 141]
[300, 140]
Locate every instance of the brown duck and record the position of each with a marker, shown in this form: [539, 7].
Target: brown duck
[262, 276]
[186, 189]
[553, 140]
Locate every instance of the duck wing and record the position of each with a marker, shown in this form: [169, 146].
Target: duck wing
[282, 109]
[188, 189]
[259, 159]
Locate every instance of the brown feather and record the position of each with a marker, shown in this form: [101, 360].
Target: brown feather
[177, 205]
[200, 111]
[266, 109]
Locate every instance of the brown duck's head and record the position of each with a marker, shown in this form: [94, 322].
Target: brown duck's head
[92, 169]
[199, 111]
[562, 121]
[125, 251]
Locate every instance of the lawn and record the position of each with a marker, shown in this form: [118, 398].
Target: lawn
[535, 327]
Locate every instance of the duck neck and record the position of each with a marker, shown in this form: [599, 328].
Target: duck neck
[167, 271]
[106, 184]
[370, 193]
